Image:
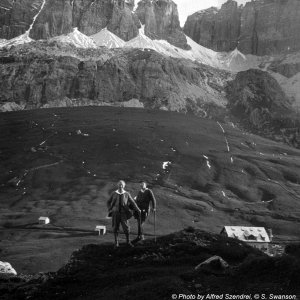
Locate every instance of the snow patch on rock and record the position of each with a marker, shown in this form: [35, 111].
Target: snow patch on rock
[108, 39]
[77, 39]
[133, 103]
[143, 42]
[166, 164]
[10, 106]
[19, 40]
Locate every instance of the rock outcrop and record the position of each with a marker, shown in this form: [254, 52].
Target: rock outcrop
[161, 21]
[261, 27]
[130, 4]
[36, 75]
[214, 265]
[215, 29]
[16, 16]
[254, 95]
[123, 22]
[259, 104]
[6, 270]
[60, 17]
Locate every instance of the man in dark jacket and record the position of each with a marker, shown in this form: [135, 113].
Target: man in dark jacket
[144, 198]
[119, 205]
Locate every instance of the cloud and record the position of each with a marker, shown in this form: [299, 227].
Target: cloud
[188, 7]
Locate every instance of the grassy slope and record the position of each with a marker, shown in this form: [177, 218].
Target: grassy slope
[132, 144]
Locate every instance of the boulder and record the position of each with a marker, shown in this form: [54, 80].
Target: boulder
[214, 265]
[6, 270]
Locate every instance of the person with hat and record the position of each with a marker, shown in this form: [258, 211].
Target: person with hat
[119, 207]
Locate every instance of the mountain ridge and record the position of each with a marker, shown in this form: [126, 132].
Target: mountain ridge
[54, 18]
[201, 92]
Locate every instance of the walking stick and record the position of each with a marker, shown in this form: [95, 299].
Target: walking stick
[154, 215]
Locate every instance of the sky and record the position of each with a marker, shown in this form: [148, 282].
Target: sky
[188, 7]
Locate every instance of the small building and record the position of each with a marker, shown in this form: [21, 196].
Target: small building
[256, 237]
[44, 220]
[101, 229]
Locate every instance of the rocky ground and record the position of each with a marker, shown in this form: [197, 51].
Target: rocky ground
[63, 163]
[158, 270]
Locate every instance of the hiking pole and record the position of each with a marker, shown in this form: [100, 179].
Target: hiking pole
[154, 215]
[140, 225]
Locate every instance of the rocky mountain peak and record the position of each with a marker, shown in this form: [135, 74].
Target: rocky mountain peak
[161, 21]
[45, 19]
[14, 19]
[260, 27]
[59, 17]
[210, 10]
[130, 4]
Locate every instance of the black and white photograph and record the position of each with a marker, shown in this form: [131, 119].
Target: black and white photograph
[149, 149]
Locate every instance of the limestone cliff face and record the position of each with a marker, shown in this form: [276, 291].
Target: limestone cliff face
[161, 21]
[55, 19]
[59, 17]
[259, 104]
[261, 27]
[200, 27]
[215, 29]
[14, 18]
[123, 22]
[38, 75]
[270, 27]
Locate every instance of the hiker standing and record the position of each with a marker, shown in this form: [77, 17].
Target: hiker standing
[119, 205]
[144, 198]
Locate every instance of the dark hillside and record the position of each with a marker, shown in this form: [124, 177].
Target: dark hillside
[64, 163]
[159, 270]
